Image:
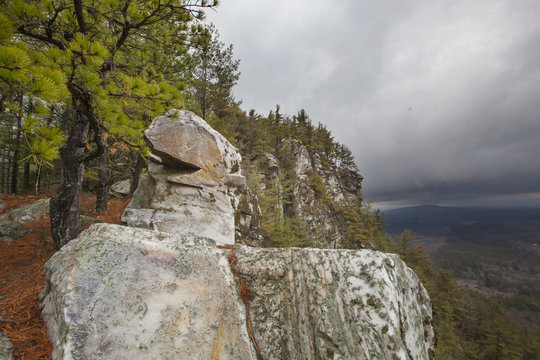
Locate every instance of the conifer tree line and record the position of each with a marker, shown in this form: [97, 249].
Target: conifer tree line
[80, 81]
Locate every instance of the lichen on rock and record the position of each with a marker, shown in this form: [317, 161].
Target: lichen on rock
[126, 293]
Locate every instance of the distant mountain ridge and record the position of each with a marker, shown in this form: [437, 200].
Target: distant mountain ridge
[430, 217]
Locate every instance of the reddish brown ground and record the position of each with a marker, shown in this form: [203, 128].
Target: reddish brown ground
[22, 277]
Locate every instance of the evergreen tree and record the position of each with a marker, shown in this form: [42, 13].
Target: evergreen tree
[105, 54]
[27, 75]
[213, 72]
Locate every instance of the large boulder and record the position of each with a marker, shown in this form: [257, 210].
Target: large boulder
[122, 293]
[194, 184]
[120, 188]
[183, 139]
[12, 223]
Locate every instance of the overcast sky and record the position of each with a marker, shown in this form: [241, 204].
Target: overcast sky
[439, 101]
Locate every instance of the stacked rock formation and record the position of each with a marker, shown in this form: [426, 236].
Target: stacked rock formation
[194, 184]
[119, 292]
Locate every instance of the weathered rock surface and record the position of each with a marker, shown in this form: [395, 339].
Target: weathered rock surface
[122, 293]
[182, 138]
[27, 213]
[195, 186]
[11, 223]
[12, 230]
[336, 304]
[6, 348]
[120, 188]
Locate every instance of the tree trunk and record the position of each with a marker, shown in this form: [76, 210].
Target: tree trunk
[15, 163]
[8, 171]
[38, 178]
[3, 173]
[64, 209]
[103, 173]
[26, 176]
[139, 165]
[17, 145]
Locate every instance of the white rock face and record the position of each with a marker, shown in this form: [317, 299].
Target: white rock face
[195, 186]
[336, 304]
[123, 293]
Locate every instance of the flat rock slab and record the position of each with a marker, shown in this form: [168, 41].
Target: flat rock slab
[124, 293]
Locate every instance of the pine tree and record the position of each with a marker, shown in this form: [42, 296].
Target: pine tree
[212, 73]
[27, 75]
[108, 55]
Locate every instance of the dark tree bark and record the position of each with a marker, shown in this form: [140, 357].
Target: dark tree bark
[3, 172]
[15, 161]
[26, 176]
[37, 184]
[103, 173]
[64, 209]
[139, 165]
[8, 172]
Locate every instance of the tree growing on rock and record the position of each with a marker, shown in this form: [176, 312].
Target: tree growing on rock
[109, 55]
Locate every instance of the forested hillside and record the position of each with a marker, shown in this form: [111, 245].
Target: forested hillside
[78, 86]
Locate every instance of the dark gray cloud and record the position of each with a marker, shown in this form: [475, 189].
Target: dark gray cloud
[438, 100]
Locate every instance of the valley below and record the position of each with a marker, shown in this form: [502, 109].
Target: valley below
[493, 252]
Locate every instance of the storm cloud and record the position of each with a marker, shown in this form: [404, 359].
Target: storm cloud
[438, 100]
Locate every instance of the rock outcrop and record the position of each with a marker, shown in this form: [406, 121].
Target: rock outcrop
[317, 187]
[194, 184]
[336, 304]
[124, 293]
